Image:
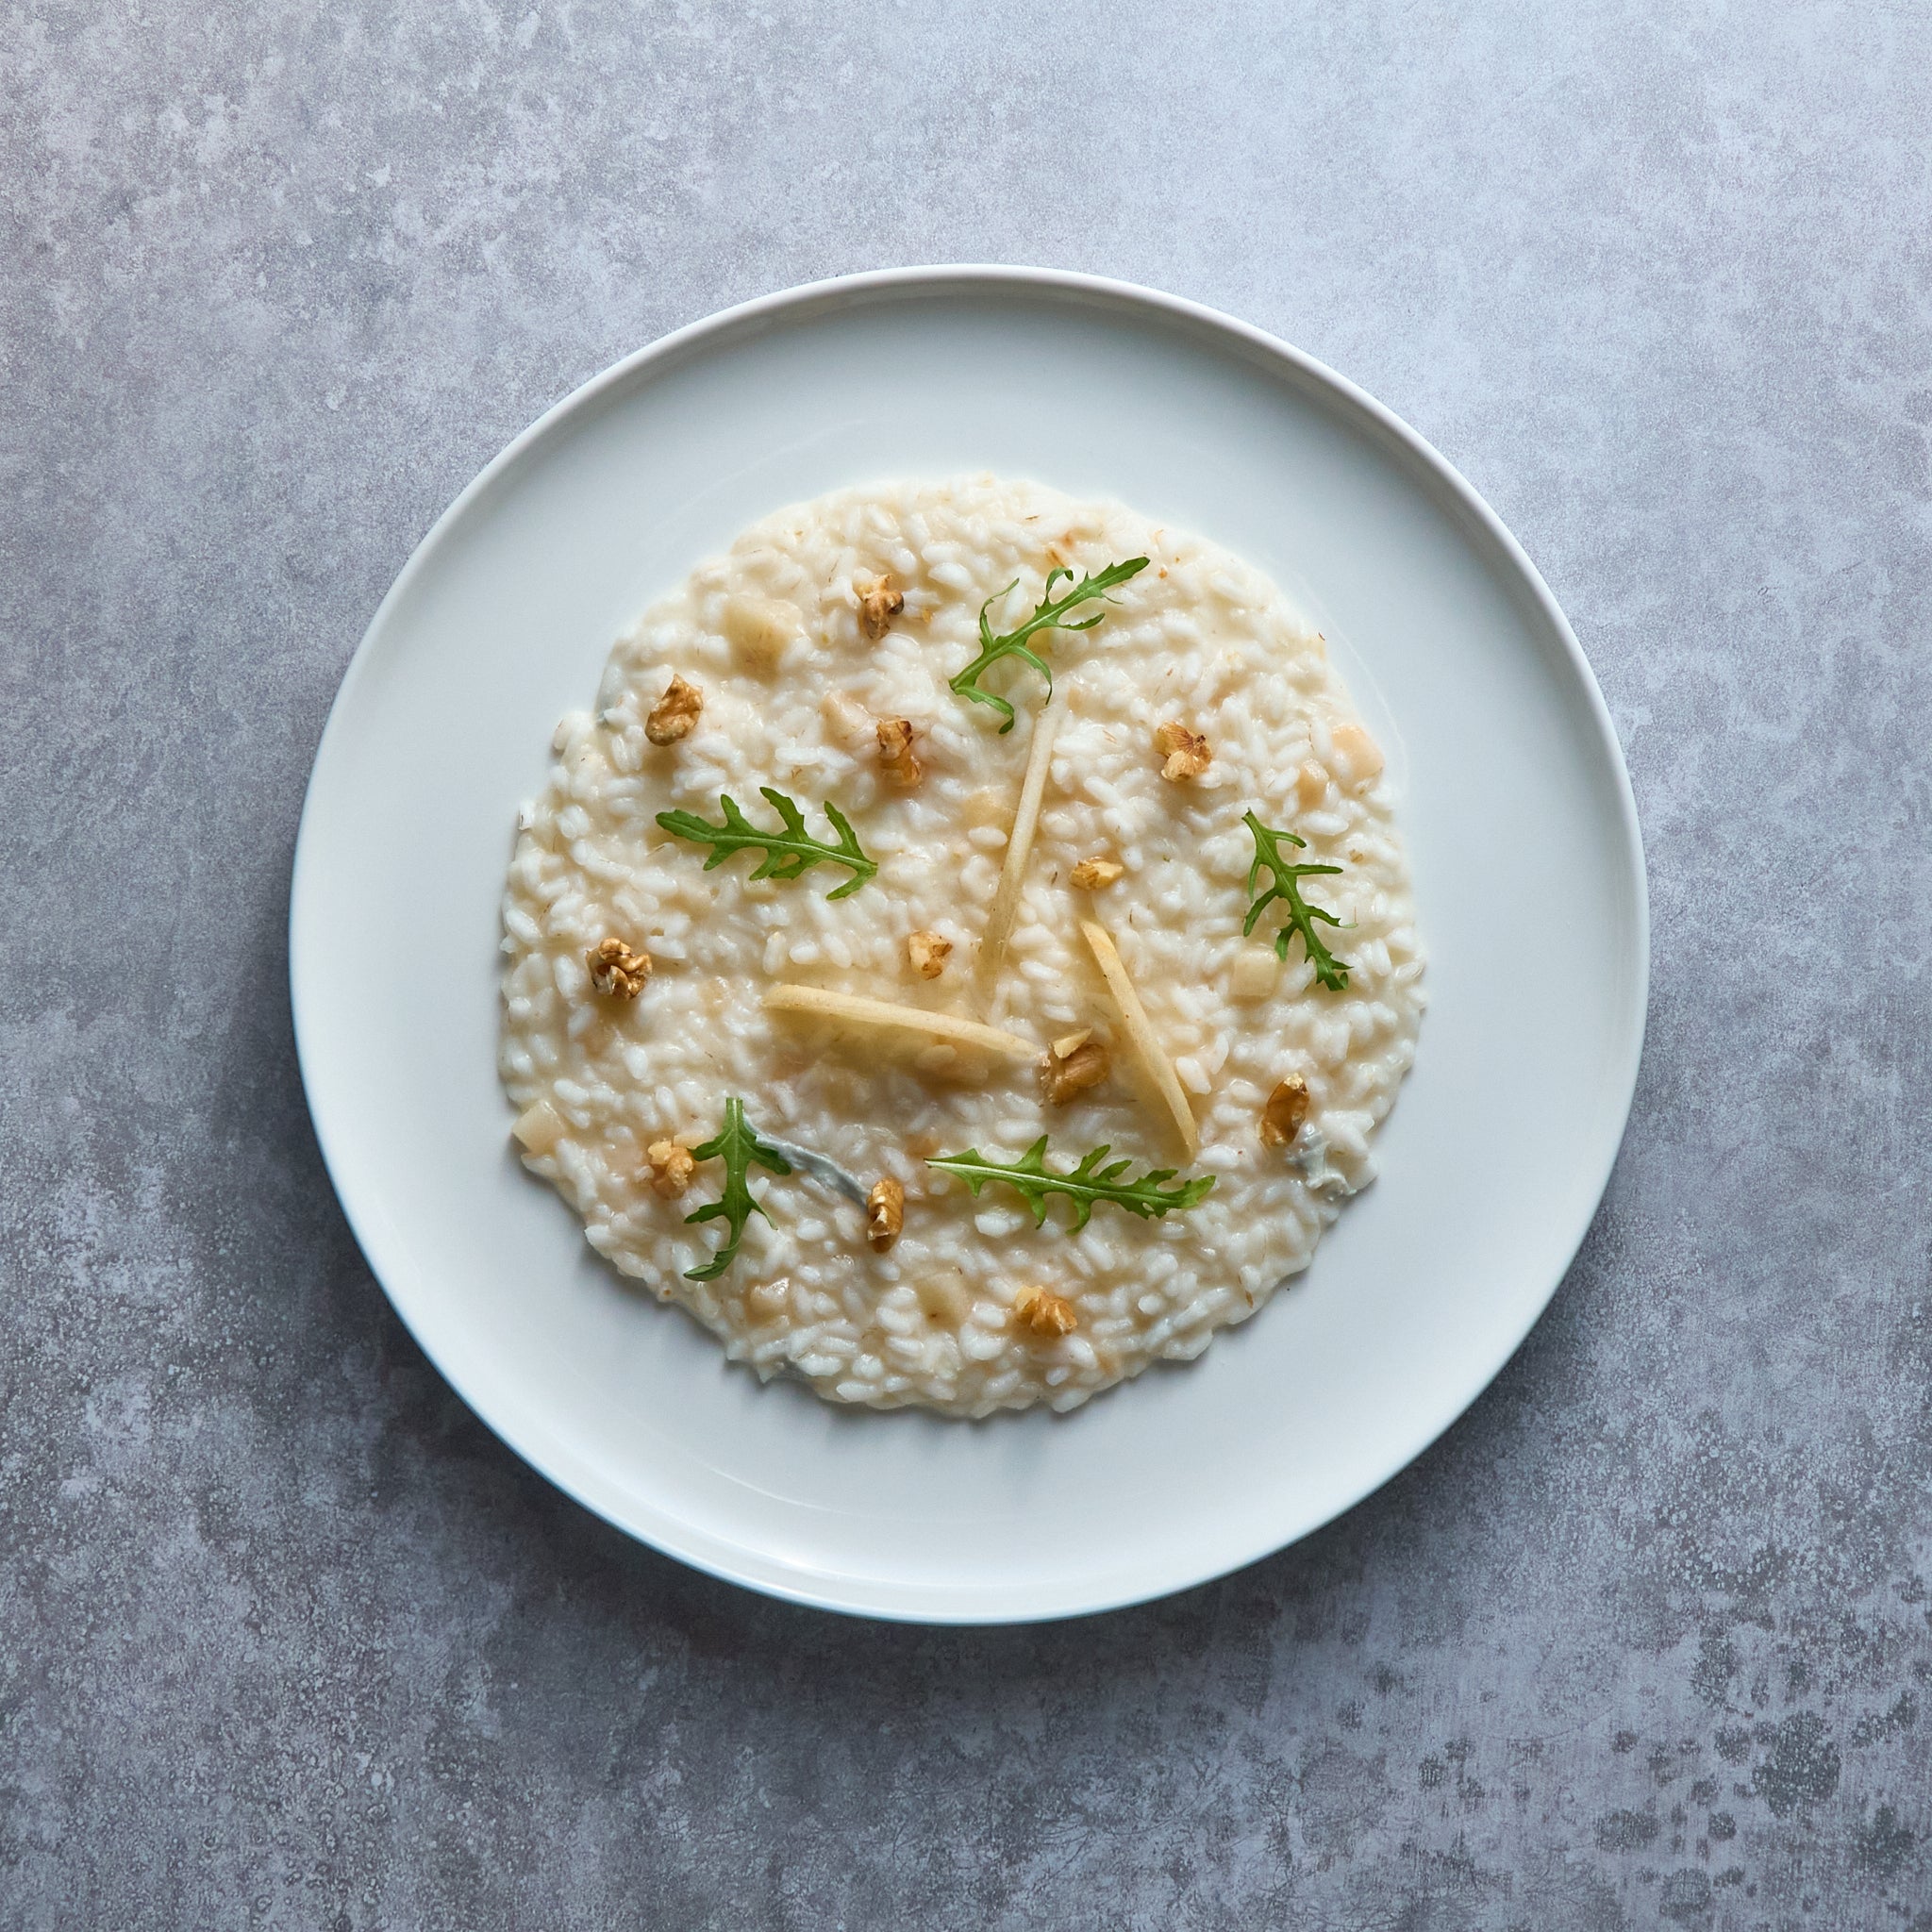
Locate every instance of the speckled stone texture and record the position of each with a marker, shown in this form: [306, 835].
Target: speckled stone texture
[287, 1639]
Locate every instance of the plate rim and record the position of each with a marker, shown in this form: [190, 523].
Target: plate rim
[846, 1595]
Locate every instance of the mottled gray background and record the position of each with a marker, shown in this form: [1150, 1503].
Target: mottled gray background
[287, 1639]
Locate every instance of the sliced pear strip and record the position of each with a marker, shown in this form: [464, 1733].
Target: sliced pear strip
[816, 1000]
[1140, 1036]
[1006, 898]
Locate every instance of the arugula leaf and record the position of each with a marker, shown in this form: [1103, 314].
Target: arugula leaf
[787, 853]
[1083, 1184]
[1331, 972]
[1050, 614]
[738, 1145]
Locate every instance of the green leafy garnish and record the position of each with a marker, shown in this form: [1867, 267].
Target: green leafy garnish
[1331, 972]
[787, 853]
[1050, 614]
[738, 1145]
[1083, 1186]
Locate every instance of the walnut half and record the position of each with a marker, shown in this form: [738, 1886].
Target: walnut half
[901, 767]
[878, 603]
[1044, 1315]
[885, 1213]
[674, 715]
[672, 1167]
[1284, 1115]
[927, 952]
[1095, 874]
[618, 970]
[1187, 754]
[1085, 1064]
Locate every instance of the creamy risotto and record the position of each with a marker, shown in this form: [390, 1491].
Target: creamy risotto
[792, 1057]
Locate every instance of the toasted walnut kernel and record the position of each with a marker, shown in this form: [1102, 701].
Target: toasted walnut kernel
[885, 1213]
[1285, 1110]
[1093, 874]
[671, 1167]
[928, 951]
[618, 970]
[674, 714]
[1048, 1316]
[1187, 752]
[878, 603]
[895, 753]
[1062, 1077]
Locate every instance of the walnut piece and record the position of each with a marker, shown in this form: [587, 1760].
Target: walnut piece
[878, 603]
[618, 970]
[895, 753]
[928, 951]
[885, 1213]
[1285, 1110]
[1047, 1316]
[674, 714]
[671, 1167]
[1187, 754]
[1062, 1076]
[1095, 874]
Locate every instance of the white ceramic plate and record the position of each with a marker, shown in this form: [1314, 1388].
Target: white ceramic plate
[1528, 873]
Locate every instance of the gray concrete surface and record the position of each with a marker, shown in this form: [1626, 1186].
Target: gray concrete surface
[287, 1639]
